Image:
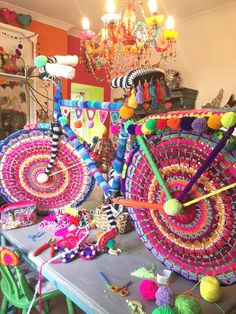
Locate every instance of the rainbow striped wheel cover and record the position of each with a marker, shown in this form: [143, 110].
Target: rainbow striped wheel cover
[202, 241]
[25, 154]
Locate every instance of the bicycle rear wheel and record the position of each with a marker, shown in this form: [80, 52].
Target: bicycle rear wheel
[202, 240]
[25, 154]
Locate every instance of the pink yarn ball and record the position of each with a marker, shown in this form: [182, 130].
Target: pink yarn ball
[138, 130]
[148, 289]
[90, 124]
[115, 129]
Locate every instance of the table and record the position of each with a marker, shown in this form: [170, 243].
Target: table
[79, 279]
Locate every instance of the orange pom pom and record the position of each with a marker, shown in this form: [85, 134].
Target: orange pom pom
[126, 112]
[78, 124]
[214, 122]
[174, 123]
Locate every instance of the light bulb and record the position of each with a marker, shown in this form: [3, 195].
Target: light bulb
[85, 23]
[152, 6]
[170, 23]
[110, 6]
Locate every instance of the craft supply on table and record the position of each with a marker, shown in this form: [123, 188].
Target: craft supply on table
[136, 306]
[36, 236]
[145, 273]
[163, 277]
[123, 290]
[44, 246]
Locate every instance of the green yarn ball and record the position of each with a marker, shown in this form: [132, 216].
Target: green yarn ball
[229, 119]
[186, 304]
[151, 124]
[63, 120]
[164, 310]
[40, 61]
[173, 207]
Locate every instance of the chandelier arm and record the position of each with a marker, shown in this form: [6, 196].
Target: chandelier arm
[161, 49]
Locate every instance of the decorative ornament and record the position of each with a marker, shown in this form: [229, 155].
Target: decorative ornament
[7, 15]
[8, 257]
[24, 19]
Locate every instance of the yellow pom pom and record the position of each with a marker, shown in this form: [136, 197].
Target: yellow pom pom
[214, 122]
[126, 112]
[210, 289]
[145, 130]
[229, 119]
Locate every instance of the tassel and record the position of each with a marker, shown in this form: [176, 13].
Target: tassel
[163, 89]
[139, 94]
[158, 93]
[146, 96]
[168, 91]
[132, 102]
[152, 94]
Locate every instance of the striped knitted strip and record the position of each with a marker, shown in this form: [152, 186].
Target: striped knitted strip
[54, 148]
[110, 217]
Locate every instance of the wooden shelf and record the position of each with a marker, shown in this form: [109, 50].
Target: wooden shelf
[13, 76]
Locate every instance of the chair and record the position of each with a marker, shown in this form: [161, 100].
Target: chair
[15, 287]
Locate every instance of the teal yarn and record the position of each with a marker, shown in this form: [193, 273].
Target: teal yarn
[40, 61]
[164, 310]
[63, 120]
[151, 124]
[186, 304]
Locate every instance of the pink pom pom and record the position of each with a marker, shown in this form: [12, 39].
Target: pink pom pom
[148, 289]
[138, 130]
[115, 129]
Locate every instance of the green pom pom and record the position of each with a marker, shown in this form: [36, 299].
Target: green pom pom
[187, 305]
[229, 119]
[151, 124]
[126, 124]
[173, 207]
[164, 310]
[63, 120]
[40, 61]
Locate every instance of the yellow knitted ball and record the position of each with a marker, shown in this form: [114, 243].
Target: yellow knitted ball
[126, 112]
[210, 289]
[145, 130]
[229, 119]
[214, 122]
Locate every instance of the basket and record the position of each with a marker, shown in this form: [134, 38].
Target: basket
[123, 220]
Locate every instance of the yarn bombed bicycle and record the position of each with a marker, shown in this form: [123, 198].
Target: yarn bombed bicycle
[178, 180]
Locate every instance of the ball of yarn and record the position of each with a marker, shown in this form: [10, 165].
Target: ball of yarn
[174, 123]
[138, 130]
[151, 124]
[214, 122]
[186, 123]
[229, 119]
[40, 61]
[63, 120]
[210, 289]
[186, 304]
[126, 112]
[145, 130]
[147, 289]
[78, 124]
[117, 165]
[131, 129]
[161, 124]
[173, 207]
[199, 125]
[115, 129]
[90, 124]
[164, 310]
[164, 296]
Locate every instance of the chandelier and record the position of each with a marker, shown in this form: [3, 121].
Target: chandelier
[125, 43]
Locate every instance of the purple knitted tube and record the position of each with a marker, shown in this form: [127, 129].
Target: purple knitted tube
[206, 163]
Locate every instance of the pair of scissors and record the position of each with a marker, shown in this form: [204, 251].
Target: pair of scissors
[123, 290]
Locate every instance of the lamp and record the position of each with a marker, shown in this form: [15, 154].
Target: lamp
[123, 43]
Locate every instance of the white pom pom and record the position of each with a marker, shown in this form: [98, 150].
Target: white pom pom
[60, 70]
[42, 177]
[67, 60]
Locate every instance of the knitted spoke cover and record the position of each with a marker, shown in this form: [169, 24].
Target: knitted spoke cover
[202, 240]
[25, 154]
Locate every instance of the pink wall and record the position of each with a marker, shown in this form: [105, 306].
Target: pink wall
[82, 76]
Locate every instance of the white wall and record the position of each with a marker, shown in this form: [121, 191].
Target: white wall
[206, 53]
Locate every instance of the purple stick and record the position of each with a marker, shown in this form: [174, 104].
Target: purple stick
[206, 163]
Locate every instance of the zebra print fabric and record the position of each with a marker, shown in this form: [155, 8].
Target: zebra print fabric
[54, 149]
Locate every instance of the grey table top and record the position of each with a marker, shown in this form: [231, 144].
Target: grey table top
[80, 280]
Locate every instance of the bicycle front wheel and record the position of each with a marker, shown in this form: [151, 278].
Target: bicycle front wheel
[25, 154]
[202, 240]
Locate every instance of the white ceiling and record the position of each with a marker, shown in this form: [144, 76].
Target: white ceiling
[72, 11]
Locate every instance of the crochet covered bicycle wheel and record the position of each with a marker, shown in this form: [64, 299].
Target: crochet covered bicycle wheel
[25, 154]
[202, 240]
